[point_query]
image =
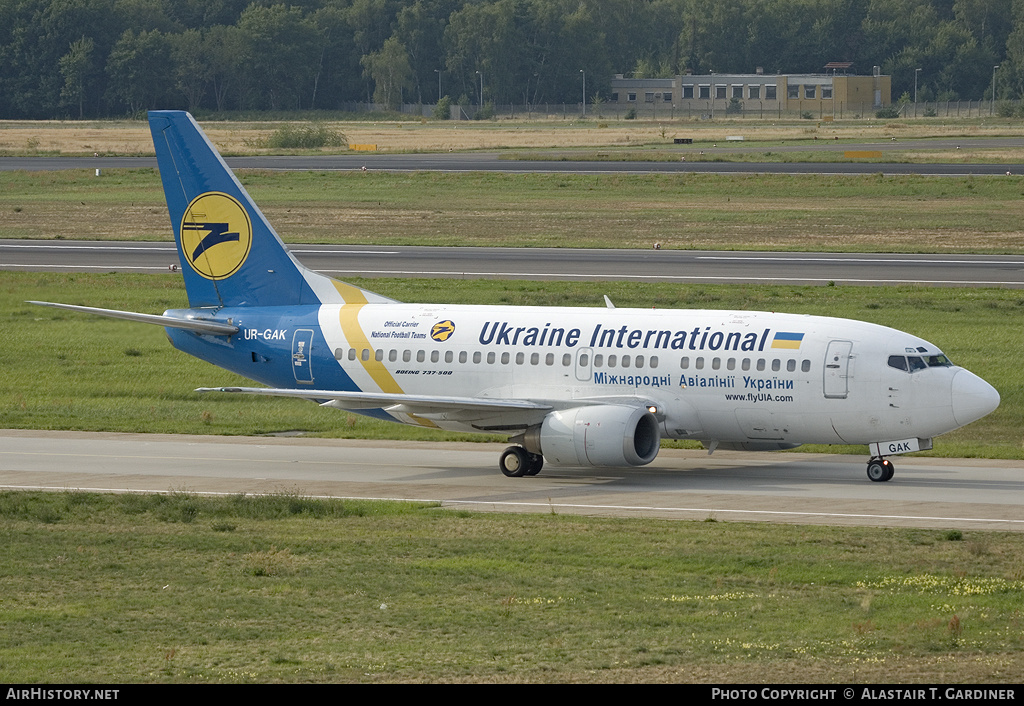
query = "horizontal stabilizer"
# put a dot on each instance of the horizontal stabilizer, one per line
(217, 328)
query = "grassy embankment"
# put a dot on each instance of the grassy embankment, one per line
(181, 588)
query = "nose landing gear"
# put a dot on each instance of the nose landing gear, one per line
(880, 469)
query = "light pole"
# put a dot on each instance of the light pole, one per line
(916, 72)
(992, 110)
(584, 74)
(438, 72)
(481, 75)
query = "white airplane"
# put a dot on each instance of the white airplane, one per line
(585, 387)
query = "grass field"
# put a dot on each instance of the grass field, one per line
(182, 588)
(871, 213)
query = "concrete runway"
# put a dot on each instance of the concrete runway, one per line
(491, 162)
(685, 485)
(682, 266)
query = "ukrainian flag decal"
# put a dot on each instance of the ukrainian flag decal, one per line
(785, 339)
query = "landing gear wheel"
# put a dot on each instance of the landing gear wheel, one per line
(536, 463)
(515, 462)
(880, 470)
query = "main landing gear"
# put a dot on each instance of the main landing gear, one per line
(880, 469)
(517, 462)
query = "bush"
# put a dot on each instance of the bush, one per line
(888, 112)
(443, 109)
(305, 137)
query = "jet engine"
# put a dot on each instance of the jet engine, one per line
(602, 435)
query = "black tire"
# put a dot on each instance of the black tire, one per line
(536, 463)
(514, 462)
(880, 470)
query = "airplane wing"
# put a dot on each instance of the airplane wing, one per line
(420, 405)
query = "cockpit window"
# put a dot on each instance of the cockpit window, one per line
(899, 362)
(913, 363)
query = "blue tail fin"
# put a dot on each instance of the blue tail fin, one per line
(230, 254)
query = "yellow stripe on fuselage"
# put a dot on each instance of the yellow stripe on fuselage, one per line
(355, 300)
(348, 317)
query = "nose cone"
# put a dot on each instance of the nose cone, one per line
(973, 398)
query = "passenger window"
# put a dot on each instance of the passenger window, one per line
(566, 360)
(406, 356)
(392, 355)
(745, 365)
(378, 355)
(654, 361)
(730, 364)
(534, 358)
(421, 356)
(699, 363)
(504, 358)
(477, 357)
(639, 362)
(490, 358)
(716, 363)
(549, 359)
(351, 353)
(791, 365)
(366, 354)
(338, 354)
(520, 357)
(776, 365)
(760, 364)
(625, 361)
(462, 356)
(434, 356)
(448, 356)
(805, 366)
(684, 363)
(584, 359)
(598, 360)
(611, 361)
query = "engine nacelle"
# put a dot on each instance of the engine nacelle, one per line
(605, 435)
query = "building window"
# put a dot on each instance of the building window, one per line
(754, 92)
(687, 92)
(649, 97)
(704, 91)
(793, 92)
(809, 92)
(667, 97)
(720, 92)
(769, 92)
(737, 91)
(631, 97)
(615, 98)
(826, 93)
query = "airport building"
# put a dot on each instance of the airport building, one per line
(832, 93)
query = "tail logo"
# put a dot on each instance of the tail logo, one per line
(216, 235)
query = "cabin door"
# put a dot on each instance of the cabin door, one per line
(837, 369)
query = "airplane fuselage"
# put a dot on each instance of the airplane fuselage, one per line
(763, 380)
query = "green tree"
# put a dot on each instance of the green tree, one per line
(77, 67)
(137, 69)
(390, 72)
